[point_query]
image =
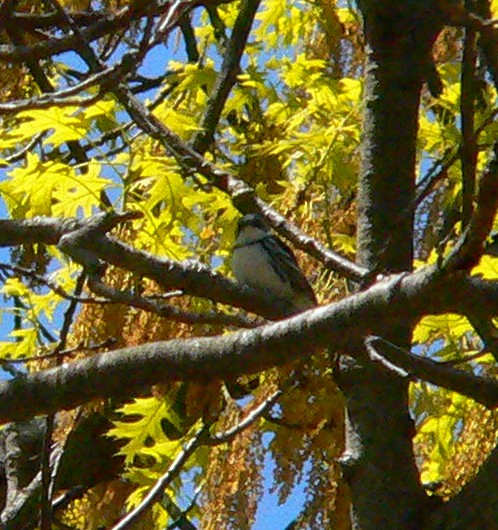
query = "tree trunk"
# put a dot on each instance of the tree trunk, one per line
(379, 461)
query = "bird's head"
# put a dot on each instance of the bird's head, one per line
(251, 227)
(254, 221)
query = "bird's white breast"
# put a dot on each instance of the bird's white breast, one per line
(251, 266)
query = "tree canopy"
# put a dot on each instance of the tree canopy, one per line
(144, 387)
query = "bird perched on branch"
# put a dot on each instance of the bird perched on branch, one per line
(264, 262)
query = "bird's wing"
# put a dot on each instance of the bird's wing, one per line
(284, 263)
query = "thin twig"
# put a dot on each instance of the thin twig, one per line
(441, 165)
(168, 311)
(251, 417)
(466, 358)
(41, 328)
(63, 353)
(19, 155)
(49, 472)
(156, 491)
(63, 98)
(470, 246)
(57, 289)
(484, 327)
(179, 516)
(56, 45)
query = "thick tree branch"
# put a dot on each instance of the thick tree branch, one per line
(45, 230)
(243, 352)
(399, 38)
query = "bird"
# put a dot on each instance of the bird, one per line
(264, 262)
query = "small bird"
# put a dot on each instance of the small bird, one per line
(264, 262)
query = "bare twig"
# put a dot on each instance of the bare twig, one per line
(168, 311)
(57, 289)
(440, 167)
(53, 46)
(46, 476)
(197, 439)
(172, 16)
(180, 517)
(48, 470)
(189, 38)
(250, 418)
(470, 247)
(486, 330)
(26, 149)
(41, 328)
(480, 20)
(469, 151)
(63, 98)
(63, 353)
(465, 359)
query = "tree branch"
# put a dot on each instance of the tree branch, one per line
(168, 311)
(66, 97)
(488, 39)
(157, 490)
(249, 351)
(469, 150)
(482, 389)
(484, 327)
(86, 242)
(110, 23)
(470, 247)
(226, 79)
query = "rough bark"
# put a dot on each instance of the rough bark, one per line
(379, 459)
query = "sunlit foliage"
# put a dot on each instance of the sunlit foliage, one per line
(291, 128)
